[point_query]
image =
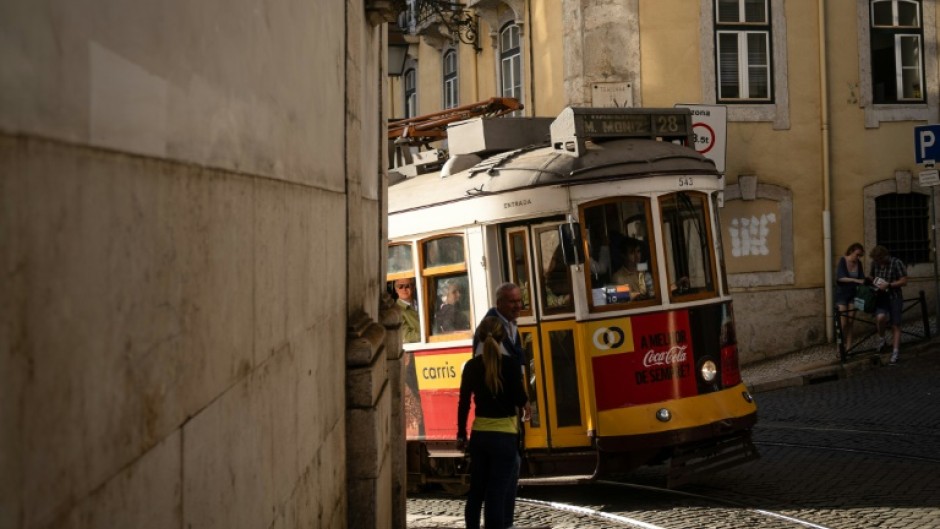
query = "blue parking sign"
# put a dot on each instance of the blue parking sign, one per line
(926, 143)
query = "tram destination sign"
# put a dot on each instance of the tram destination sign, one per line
(639, 125)
(575, 125)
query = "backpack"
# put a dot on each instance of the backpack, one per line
(865, 299)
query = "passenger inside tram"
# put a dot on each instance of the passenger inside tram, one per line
(621, 269)
(634, 270)
(450, 317)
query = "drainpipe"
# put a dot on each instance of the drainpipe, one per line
(531, 111)
(826, 173)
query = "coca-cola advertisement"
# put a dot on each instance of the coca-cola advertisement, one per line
(659, 367)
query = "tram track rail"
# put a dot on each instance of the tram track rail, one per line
(706, 511)
(828, 438)
(779, 426)
(879, 453)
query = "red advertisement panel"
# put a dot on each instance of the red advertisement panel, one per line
(431, 407)
(661, 366)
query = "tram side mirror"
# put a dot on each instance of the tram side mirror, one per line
(571, 245)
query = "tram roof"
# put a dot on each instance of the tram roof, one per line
(540, 166)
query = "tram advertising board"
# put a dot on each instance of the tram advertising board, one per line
(656, 363)
(430, 406)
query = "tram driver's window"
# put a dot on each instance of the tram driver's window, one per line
(447, 291)
(689, 258)
(621, 268)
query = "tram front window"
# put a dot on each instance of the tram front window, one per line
(689, 261)
(622, 268)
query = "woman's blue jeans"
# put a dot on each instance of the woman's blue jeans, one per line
(494, 472)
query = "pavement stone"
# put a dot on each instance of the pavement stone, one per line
(803, 367)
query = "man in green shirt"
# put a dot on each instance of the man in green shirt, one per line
(405, 288)
(410, 332)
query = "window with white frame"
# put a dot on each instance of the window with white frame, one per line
(897, 68)
(743, 51)
(510, 61)
(450, 79)
(411, 93)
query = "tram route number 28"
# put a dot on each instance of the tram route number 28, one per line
(685, 181)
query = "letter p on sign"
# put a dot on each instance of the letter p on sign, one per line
(925, 143)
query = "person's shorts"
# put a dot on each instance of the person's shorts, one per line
(891, 306)
(844, 299)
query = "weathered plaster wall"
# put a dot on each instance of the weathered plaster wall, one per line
(231, 84)
(601, 45)
(185, 189)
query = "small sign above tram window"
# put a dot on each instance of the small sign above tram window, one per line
(575, 125)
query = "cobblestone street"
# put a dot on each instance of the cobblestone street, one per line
(852, 453)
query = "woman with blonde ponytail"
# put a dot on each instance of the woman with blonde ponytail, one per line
(492, 378)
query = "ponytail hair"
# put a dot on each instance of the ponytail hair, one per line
(491, 333)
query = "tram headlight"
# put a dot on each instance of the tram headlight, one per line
(709, 371)
(663, 415)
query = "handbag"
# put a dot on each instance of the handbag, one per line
(865, 299)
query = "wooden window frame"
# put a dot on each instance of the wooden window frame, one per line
(428, 275)
(653, 264)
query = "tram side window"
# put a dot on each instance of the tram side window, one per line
(400, 284)
(622, 268)
(689, 259)
(556, 276)
(519, 267)
(400, 265)
(565, 367)
(447, 287)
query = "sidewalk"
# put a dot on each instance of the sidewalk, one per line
(812, 365)
(821, 362)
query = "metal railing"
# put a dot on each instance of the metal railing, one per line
(857, 317)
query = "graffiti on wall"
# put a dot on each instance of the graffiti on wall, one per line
(749, 235)
(751, 232)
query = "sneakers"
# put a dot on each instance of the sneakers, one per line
(894, 357)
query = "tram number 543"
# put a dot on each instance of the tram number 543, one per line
(686, 181)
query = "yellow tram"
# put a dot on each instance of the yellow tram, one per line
(607, 220)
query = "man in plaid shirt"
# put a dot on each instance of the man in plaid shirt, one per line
(888, 276)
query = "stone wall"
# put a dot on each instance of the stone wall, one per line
(190, 211)
(797, 316)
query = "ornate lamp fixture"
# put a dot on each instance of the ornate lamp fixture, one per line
(459, 23)
(435, 19)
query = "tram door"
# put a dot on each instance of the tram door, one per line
(554, 370)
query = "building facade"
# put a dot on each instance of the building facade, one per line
(192, 327)
(821, 101)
